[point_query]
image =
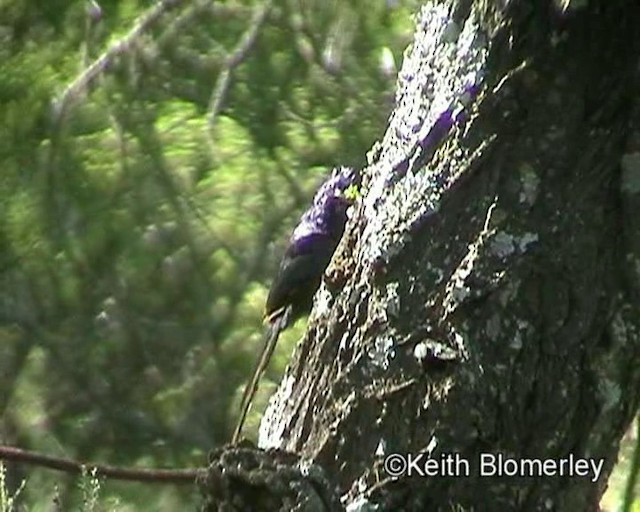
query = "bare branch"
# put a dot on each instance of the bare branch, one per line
(118, 47)
(239, 53)
(172, 476)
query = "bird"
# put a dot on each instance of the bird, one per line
(310, 249)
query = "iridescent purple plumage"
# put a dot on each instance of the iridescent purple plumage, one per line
(311, 246)
(327, 214)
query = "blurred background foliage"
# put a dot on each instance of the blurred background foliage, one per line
(145, 213)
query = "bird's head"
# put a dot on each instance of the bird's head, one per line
(327, 215)
(334, 209)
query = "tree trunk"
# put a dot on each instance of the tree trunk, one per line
(485, 299)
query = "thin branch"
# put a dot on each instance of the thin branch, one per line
(174, 476)
(118, 47)
(198, 10)
(239, 53)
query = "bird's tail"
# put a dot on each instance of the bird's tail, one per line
(269, 344)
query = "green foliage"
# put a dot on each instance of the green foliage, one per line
(8, 500)
(623, 491)
(90, 487)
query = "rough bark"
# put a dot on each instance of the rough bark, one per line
(486, 295)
